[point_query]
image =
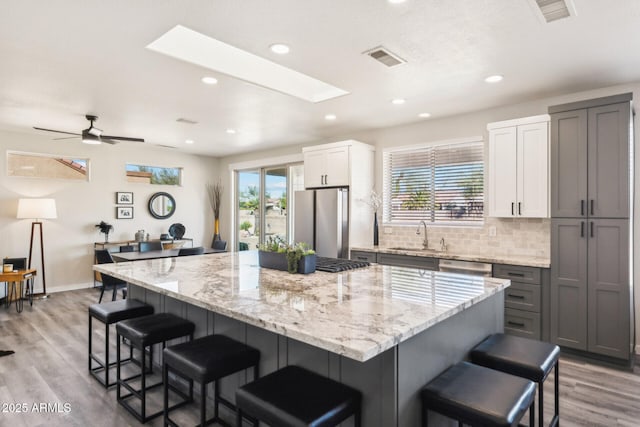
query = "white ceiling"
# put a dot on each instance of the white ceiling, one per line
(62, 59)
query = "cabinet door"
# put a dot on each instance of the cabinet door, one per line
(502, 172)
(337, 167)
(569, 283)
(533, 171)
(609, 161)
(569, 164)
(314, 168)
(609, 288)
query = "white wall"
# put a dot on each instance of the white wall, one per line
(69, 238)
(459, 126)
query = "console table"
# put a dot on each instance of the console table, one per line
(15, 279)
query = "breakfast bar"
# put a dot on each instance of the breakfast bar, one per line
(383, 330)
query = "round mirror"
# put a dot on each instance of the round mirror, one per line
(162, 205)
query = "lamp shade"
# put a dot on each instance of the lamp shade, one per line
(37, 208)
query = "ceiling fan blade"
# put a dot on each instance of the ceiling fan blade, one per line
(66, 137)
(122, 138)
(108, 141)
(58, 131)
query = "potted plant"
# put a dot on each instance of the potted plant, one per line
(215, 197)
(275, 253)
(106, 229)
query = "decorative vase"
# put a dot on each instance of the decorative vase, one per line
(106, 237)
(375, 229)
(216, 230)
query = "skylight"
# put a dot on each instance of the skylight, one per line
(196, 48)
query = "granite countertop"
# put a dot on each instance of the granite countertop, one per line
(358, 314)
(523, 260)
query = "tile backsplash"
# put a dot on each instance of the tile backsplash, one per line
(522, 236)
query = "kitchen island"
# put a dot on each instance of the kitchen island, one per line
(383, 330)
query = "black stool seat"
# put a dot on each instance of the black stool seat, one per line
(205, 360)
(523, 357)
(109, 313)
(296, 397)
(526, 358)
(153, 329)
(115, 311)
(479, 396)
(143, 332)
(209, 358)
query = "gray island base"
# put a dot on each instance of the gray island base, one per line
(383, 330)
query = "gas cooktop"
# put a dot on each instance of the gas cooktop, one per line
(335, 265)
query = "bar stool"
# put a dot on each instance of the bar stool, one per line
(294, 397)
(205, 360)
(109, 313)
(143, 332)
(477, 396)
(525, 358)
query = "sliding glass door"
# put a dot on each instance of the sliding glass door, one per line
(264, 199)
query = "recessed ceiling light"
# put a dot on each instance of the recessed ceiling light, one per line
(494, 79)
(398, 101)
(330, 117)
(209, 80)
(189, 141)
(279, 48)
(396, 1)
(231, 131)
(424, 115)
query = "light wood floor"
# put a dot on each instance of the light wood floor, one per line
(50, 366)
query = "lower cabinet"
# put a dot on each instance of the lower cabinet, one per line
(424, 263)
(523, 300)
(590, 286)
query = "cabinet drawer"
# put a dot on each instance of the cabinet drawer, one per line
(408, 261)
(364, 256)
(522, 323)
(522, 296)
(521, 274)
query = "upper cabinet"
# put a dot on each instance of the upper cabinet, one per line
(590, 162)
(326, 165)
(518, 168)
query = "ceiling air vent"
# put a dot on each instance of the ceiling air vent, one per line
(187, 121)
(553, 10)
(383, 55)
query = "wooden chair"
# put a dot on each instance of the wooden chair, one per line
(150, 246)
(191, 251)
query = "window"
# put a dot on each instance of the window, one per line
(47, 166)
(441, 184)
(154, 174)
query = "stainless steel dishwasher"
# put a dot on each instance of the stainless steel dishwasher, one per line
(465, 267)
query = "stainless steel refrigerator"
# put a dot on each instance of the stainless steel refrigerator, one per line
(321, 219)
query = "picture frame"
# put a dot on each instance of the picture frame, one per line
(124, 212)
(124, 198)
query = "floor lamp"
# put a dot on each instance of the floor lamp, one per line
(37, 209)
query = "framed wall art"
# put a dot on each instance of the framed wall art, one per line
(124, 198)
(124, 212)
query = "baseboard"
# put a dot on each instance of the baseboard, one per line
(71, 287)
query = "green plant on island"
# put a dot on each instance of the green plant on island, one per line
(295, 254)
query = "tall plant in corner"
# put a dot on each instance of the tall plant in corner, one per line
(215, 198)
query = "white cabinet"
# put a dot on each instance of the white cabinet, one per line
(345, 164)
(519, 168)
(326, 167)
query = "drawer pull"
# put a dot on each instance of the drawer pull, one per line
(521, 325)
(363, 258)
(515, 296)
(515, 274)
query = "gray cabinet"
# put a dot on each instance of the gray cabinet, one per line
(364, 256)
(590, 159)
(522, 300)
(591, 298)
(424, 263)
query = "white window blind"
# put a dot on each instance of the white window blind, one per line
(439, 184)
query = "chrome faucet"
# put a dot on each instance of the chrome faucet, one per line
(425, 242)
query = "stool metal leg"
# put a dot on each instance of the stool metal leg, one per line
(238, 418)
(203, 404)
(556, 387)
(118, 367)
(532, 413)
(541, 404)
(106, 354)
(356, 418)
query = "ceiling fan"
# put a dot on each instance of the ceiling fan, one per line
(93, 135)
